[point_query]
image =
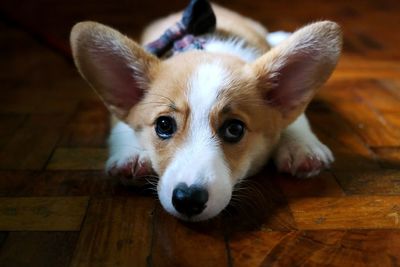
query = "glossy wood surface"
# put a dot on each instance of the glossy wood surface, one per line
(58, 208)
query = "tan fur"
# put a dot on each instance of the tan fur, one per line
(169, 80)
(248, 95)
(263, 125)
(329, 49)
(88, 38)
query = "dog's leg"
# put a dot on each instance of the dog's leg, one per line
(127, 160)
(299, 151)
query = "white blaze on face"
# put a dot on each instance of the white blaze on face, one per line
(200, 159)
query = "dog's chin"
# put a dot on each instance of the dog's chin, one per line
(197, 218)
(204, 216)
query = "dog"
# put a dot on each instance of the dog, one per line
(205, 118)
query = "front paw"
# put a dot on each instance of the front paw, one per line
(129, 167)
(305, 158)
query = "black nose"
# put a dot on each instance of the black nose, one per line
(189, 200)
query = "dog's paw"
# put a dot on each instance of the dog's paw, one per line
(129, 166)
(305, 158)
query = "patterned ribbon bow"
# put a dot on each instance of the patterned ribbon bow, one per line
(198, 18)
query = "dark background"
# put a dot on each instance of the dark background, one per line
(369, 25)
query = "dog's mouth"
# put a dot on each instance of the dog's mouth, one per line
(203, 216)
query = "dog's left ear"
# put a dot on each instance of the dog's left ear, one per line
(117, 68)
(290, 73)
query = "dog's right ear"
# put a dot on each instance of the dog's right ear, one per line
(115, 66)
(290, 74)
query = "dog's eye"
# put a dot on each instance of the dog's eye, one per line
(232, 131)
(165, 127)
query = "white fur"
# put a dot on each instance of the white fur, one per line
(123, 147)
(275, 38)
(299, 144)
(200, 159)
(234, 46)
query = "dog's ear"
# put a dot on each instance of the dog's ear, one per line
(290, 73)
(115, 66)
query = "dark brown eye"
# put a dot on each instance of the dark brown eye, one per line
(232, 131)
(165, 127)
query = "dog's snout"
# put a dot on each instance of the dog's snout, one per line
(191, 200)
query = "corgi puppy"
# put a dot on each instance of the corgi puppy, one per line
(205, 119)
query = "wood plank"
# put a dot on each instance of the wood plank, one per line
(336, 248)
(259, 217)
(316, 248)
(38, 249)
(393, 118)
(351, 68)
(78, 159)
(116, 232)
(349, 149)
(370, 182)
(9, 124)
(77, 183)
(29, 99)
(378, 96)
(365, 115)
(388, 157)
(257, 203)
(31, 146)
(355, 212)
(323, 185)
(251, 247)
(391, 85)
(61, 183)
(384, 101)
(88, 127)
(28, 90)
(176, 243)
(3, 237)
(370, 124)
(42, 214)
(17, 183)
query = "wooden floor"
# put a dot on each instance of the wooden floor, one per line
(57, 208)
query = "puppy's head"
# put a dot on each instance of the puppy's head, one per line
(207, 120)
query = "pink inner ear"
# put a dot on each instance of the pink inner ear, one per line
(291, 85)
(121, 82)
